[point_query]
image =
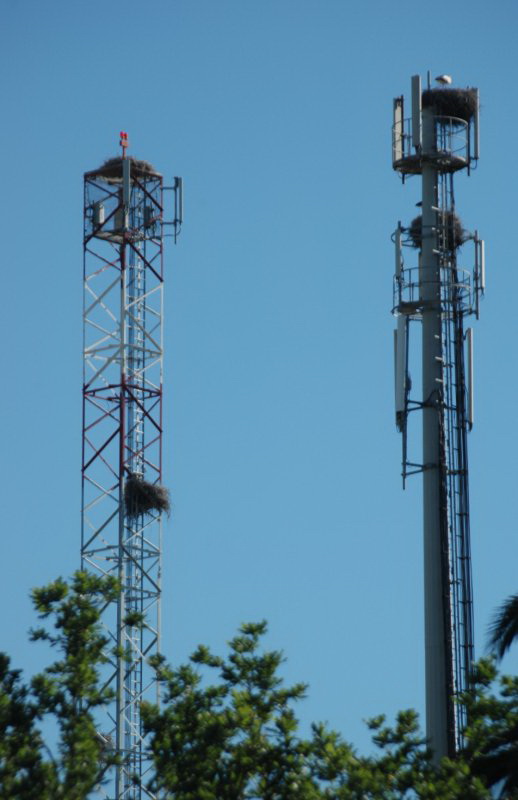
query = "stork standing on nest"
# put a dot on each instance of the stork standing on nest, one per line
(443, 80)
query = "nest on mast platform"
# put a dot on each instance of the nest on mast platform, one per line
(111, 169)
(457, 103)
(141, 497)
(449, 229)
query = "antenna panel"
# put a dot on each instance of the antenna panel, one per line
(398, 129)
(400, 346)
(476, 141)
(470, 388)
(399, 260)
(482, 247)
(126, 182)
(98, 213)
(416, 111)
(178, 186)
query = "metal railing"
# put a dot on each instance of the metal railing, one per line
(455, 285)
(452, 141)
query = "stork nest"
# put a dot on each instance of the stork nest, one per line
(450, 233)
(140, 497)
(457, 103)
(111, 169)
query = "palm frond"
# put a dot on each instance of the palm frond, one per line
(503, 630)
(499, 770)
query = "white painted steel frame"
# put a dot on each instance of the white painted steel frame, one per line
(122, 436)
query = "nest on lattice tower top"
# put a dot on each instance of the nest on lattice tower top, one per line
(112, 168)
(450, 233)
(141, 497)
(457, 103)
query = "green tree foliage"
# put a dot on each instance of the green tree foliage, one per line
(227, 728)
(492, 734)
(235, 737)
(68, 693)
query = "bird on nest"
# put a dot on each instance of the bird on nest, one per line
(444, 80)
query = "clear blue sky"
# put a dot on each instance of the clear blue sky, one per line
(281, 451)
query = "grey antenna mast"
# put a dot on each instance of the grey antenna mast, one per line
(438, 140)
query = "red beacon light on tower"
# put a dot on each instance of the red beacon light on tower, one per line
(123, 141)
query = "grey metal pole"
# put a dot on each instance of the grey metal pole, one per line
(432, 374)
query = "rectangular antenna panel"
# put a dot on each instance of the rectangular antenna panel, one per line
(476, 141)
(126, 182)
(98, 213)
(398, 130)
(400, 335)
(482, 265)
(149, 217)
(398, 250)
(118, 220)
(416, 111)
(470, 389)
(178, 187)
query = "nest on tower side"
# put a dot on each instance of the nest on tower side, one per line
(111, 169)
(457, 103)
(450, 233)
(140, 497)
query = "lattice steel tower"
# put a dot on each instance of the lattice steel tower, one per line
(437, 141)
(122, 497)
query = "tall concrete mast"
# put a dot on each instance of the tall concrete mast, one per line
(439, 139)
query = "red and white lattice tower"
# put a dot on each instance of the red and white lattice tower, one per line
(122, 497)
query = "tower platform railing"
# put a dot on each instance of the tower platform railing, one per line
(452, 146)
(456, 281)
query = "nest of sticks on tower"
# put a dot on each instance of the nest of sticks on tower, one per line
(451, 234)
(457, 103)
(112, 168)
(140, 497)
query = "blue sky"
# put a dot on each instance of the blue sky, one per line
(281, 451)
